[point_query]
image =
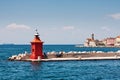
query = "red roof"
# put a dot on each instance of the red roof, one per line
(118, 36)
(36, 39)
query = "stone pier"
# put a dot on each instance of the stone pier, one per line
(68, 57)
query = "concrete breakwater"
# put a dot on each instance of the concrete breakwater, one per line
(62, 56)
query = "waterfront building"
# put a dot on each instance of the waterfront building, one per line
(117, 41)
(110, 41)
(86, 44)
(90, 42)
(104, 42)
(100, 43)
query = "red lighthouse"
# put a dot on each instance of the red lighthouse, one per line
(36, 47)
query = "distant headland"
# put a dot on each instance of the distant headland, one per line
(107, 42)
(7, 44)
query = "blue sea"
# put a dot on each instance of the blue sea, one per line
(61, 70)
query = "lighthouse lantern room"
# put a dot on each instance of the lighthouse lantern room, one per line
(36, 47)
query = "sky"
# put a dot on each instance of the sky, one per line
(58, 21)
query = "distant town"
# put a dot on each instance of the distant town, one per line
(107, 42)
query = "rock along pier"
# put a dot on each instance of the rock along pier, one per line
(67, 57)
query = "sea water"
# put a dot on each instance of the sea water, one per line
(61, 70)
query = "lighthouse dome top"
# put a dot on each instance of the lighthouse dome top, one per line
(36, 38)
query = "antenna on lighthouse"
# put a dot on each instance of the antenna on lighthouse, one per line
(36, 32)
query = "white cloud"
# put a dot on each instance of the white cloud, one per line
(115, 16)
(17, 26)
(105, 28)
(68, 27)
